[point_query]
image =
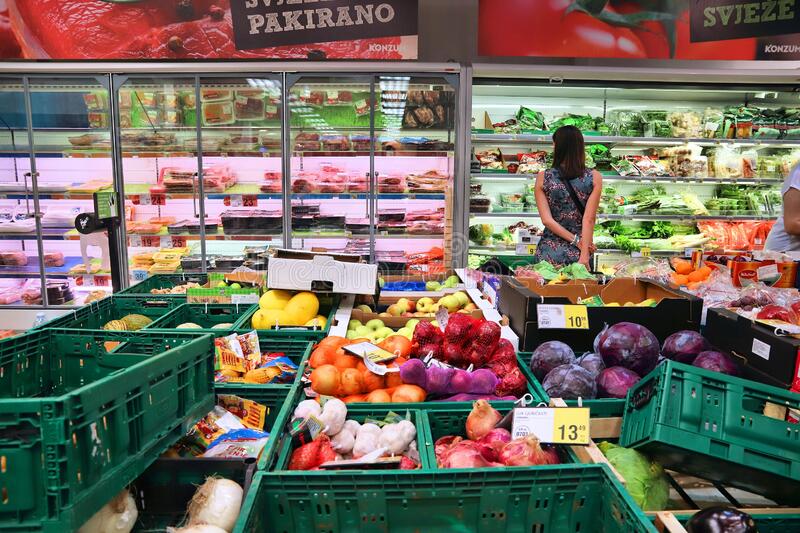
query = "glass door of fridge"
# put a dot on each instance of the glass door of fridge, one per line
(71, 129)
(159, 141)
(330, 139)
(21, 278)
(415, 130)
(242, 186)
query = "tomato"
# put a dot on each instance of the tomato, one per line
(732, 49)
(652, 33)
(516, 28)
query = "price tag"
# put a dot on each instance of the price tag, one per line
(158, 199)
(562, 316)
(490, 293)
(767, 272)
(151, 241)
(135, 241)
(102, 281)
(144, 199)
(442, 316)
(552, 425)
(645, 251)
(178, 242)
(636, 254)
(250, 200)
(234, 200)
(251, 298)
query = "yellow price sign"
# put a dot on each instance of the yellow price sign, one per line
(551, 316)
(645, 251)
(552, 425)
(531, 249)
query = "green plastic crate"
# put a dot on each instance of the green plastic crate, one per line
(96, 314)
(283, 447)
(298, 350)
(328, 305)
(444, 422)
(164, 281)
(164, 491)
(711, 425)
(552, 499)
(79, 423)
(598, 408)
(207, 316)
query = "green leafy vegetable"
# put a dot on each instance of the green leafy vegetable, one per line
(645, 480)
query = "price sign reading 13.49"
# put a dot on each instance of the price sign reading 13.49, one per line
(560, 425)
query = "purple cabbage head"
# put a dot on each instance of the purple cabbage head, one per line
(569, 382)
(549, 355)
(629, 345)
(615, 381)
(592, 362)
(716, 362)
(684, 346)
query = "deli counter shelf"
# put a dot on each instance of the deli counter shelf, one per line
(523, 138)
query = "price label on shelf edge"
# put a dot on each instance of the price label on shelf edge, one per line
(177, 241)
(552, 425)
(551, 316)
(135, 241)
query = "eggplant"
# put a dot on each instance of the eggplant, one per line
(721, 520)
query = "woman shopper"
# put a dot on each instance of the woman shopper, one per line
(785, 233)
(567, 197)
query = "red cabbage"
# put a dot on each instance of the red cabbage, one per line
(614, 382)
(592, 362)
(550, 355)
(570, 382)
(629, 345)
(684, 346)
(717, 362)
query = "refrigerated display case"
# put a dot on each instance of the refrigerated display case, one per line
(56, 152)
(683, 166)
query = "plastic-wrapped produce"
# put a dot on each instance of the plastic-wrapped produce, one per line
(712, 123)
(686, 161)
(726, 163)
(685, 124)
(626, 123)
(769, 166)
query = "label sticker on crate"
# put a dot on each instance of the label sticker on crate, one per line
(552, 425)
(551, 316)
(767, 272)
(251, 298)
(761, 349)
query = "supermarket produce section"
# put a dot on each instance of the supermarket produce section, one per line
(306, 301)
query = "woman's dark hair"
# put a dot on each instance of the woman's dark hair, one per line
(569, 156)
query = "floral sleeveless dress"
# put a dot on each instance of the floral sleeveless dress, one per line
(552, 248)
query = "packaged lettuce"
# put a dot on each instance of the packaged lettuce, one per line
(529, 119)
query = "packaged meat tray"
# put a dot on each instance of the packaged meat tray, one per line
(329, 187)
(218, 113)
(313, 98)
(194, 262)
(9, 296)
(248, 108)
(270, 141)
(162, 221)
(252, 222)
(301, 223)
(358, 186)
(307, 142)
(425, 215)
(254, 252)
(335, 143)
(357, 226)
(391, 215)
(304, 185)
(392, 228)
(228, 262)
(53, 259)
(361, 143)
(425, 228)
(211, 227)
(215, 95)
(334, 222)
(143, 228)
(14, 259)
(431, 181)
(271, 187)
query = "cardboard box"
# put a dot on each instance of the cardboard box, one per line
(519, 298)
(318, 272)
(210, 293)
(764, 356)
(782, 275)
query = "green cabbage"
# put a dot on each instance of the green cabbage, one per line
(645, 480)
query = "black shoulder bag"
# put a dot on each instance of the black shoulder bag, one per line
(577, 201)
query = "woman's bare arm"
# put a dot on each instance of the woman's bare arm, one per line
(590, 218)
(791, 211)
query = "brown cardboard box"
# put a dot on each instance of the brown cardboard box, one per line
(519, 298)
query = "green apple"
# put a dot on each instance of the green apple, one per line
(462, 297)
(381, 282)
(411, 324)
(221, 284)
(396, 309)
(235, 286)
(375, 324)
(451, 282)
(364, 308)
(406, 332)
(362, 332)
(424, 305)
(450, 303)
(354, 324)
(406, 305)
(433, 286)
(351, 334)
(385, 332)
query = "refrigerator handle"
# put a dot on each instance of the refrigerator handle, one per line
(195, 179)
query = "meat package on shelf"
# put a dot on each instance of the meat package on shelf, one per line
(334, 180)
(400, 221)
(216, 178)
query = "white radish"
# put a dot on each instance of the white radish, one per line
(216, 503)
(117, 516)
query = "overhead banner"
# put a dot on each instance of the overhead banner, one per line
(641, 29)
(208, 29)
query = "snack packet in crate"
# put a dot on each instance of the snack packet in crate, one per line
(229, 360)
(251, 413)
(250, 349)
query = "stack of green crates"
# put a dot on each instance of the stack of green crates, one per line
(712, 425)
(80, 423)
(164, 281)
(208, 316)
(97, 314)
